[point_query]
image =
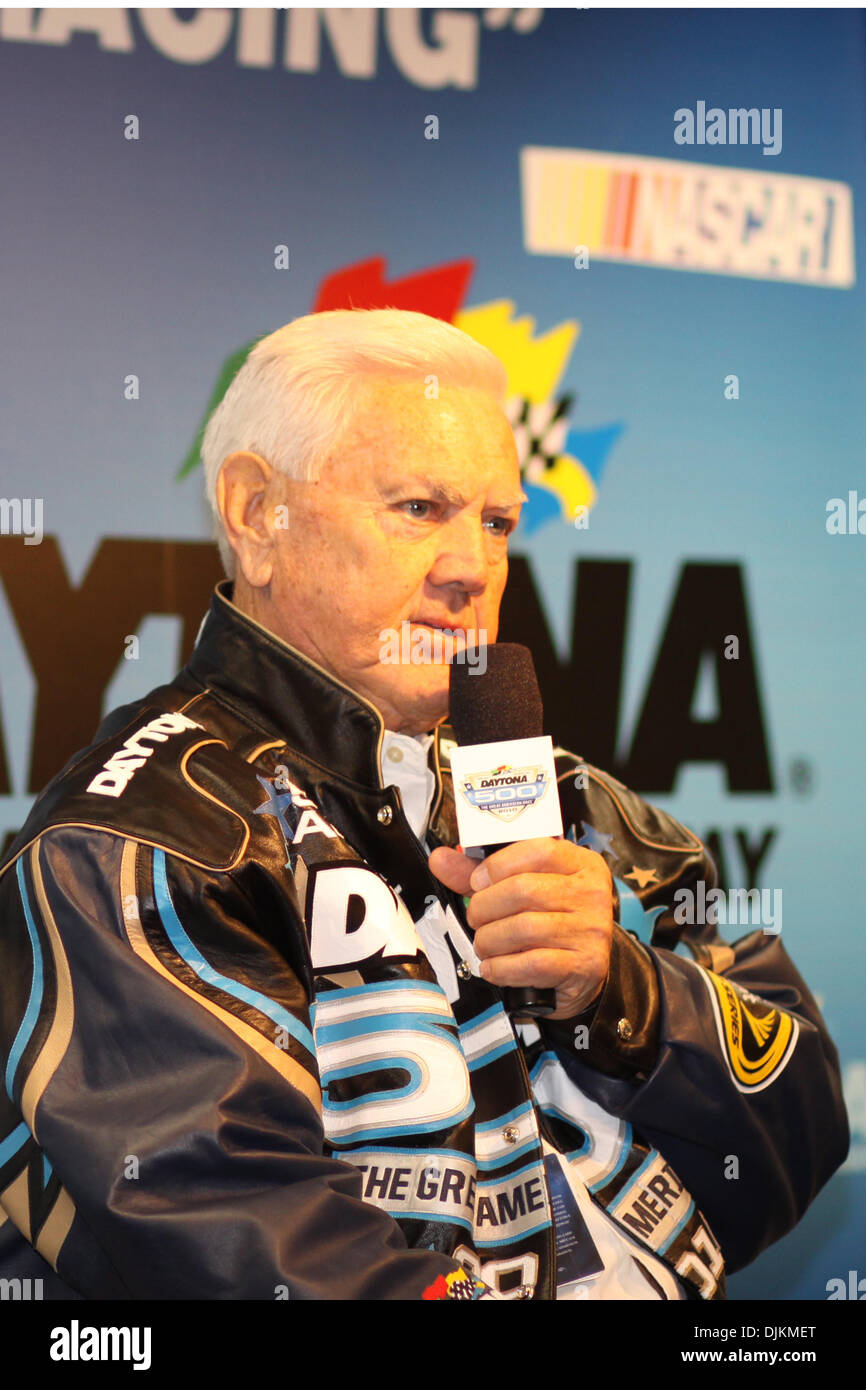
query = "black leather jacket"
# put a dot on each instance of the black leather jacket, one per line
(232, 1070)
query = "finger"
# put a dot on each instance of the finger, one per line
(533, 892)
(545, 855)
(531, 931)
(452, 868)
(544, 969)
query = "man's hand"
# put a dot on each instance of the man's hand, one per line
(542, 912)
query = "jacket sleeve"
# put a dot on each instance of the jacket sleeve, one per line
(158, 1048)
(718, 1056)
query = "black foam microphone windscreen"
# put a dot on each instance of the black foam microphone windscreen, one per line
(498, 698)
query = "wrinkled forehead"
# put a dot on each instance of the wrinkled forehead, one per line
(455, 436)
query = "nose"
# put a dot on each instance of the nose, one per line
(463, 557)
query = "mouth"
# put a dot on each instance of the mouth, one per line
(453, 640)
(459, 630)
(454, 634)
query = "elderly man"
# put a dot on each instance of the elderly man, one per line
(252, 1007)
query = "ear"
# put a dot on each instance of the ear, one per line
(244, 492)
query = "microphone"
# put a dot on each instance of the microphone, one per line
(496, 703)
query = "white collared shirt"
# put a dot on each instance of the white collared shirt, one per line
(405, 766)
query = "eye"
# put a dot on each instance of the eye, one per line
(504, 523)
(418, 502)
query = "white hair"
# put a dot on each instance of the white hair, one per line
(296, 391)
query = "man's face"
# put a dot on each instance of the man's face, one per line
(408, 523)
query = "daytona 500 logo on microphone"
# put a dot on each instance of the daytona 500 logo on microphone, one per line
(505, 791)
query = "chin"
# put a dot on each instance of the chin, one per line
(421, 709)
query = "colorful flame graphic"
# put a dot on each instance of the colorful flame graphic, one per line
(561, 466)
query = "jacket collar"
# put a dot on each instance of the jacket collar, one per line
(290, 695)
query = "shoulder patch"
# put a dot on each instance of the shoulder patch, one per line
(164, 780)
(757, 1039)
(119, 769)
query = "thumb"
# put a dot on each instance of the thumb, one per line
(452, 868)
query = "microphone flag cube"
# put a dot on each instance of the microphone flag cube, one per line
(505, 791)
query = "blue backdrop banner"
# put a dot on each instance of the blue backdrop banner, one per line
(652, 219)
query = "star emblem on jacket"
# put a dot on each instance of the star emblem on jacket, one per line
(276, 805)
